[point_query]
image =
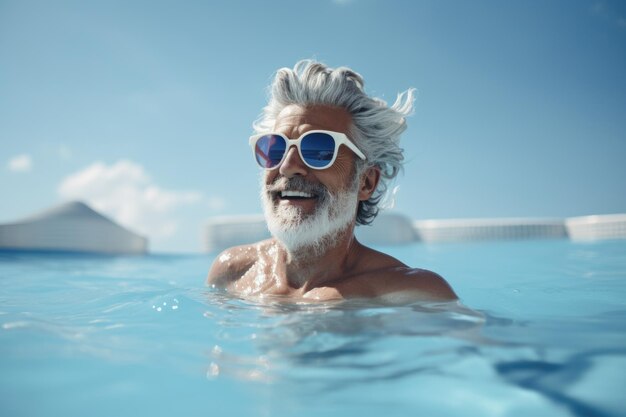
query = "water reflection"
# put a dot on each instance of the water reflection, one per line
(337, 342)
(315, 349)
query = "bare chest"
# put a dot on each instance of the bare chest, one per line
(268, 278)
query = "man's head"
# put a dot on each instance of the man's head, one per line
(374, 127)
(307, 207)
(315, 97)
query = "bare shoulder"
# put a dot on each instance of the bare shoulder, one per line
(419, 284)
(395, 280)
(232, 263)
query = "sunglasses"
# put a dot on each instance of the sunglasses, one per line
(317, 148)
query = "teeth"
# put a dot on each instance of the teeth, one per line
(284, 194)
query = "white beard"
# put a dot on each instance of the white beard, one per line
(314, 234)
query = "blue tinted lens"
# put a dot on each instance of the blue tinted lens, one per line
(269, 150)
(318, 149)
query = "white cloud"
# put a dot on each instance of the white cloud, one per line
(20, 163)
(125, 192)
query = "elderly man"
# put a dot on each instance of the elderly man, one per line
(327, 150)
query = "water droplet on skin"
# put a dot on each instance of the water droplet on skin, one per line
(259, 280)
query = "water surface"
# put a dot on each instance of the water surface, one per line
(94, 335)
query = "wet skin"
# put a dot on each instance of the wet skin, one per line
(348, 269)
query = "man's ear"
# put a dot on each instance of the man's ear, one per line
(369, 182)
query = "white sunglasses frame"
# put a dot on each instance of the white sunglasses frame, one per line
(338, 137)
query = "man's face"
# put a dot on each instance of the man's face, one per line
(304, 221)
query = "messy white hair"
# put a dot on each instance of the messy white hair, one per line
(376, 127)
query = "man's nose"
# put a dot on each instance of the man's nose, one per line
(292, 164)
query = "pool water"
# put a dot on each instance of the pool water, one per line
(544, 334)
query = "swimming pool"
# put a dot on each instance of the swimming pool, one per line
(103, 336)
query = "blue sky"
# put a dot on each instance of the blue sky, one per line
(143, 108)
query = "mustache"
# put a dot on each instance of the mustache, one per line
(297, 184)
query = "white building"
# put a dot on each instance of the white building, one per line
(394, 229)
(73, 227)
(606, 226)
(227, 231)
(459, 230)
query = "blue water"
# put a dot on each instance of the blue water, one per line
(125, 336)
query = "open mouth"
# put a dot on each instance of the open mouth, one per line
(293, 195)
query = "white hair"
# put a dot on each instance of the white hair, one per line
(376, 127)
